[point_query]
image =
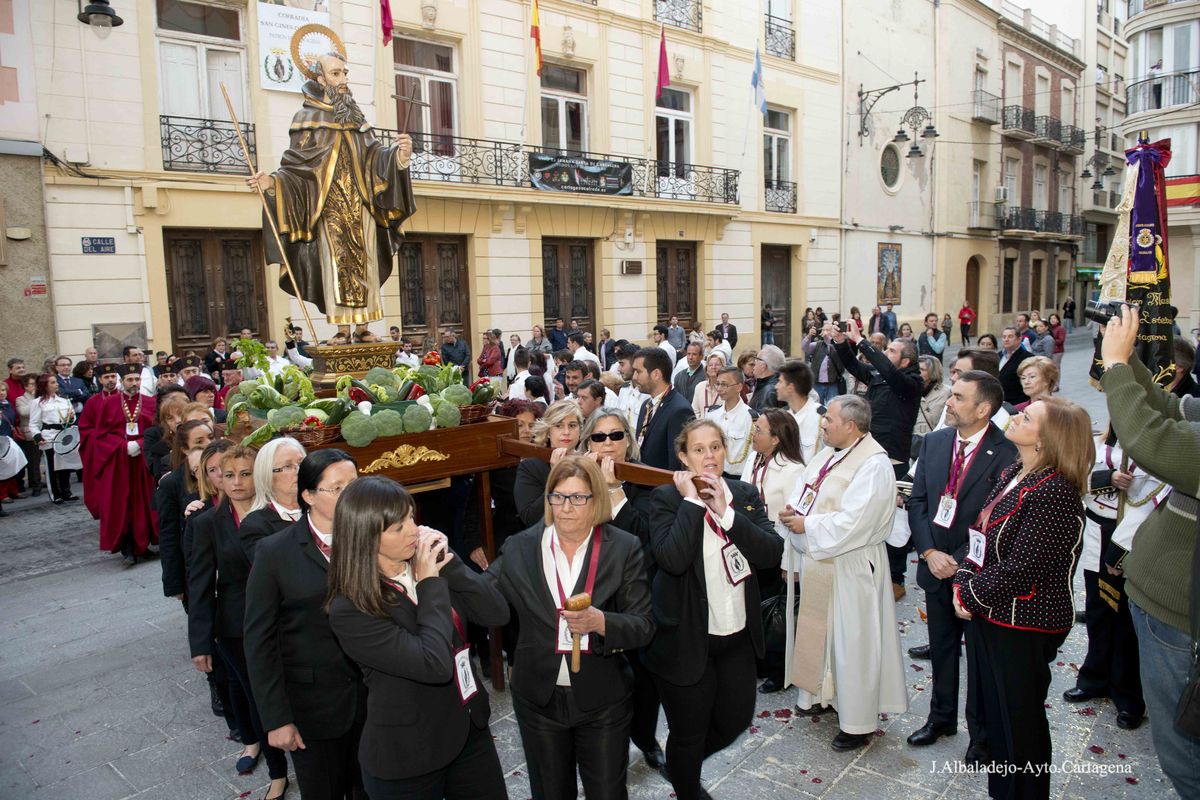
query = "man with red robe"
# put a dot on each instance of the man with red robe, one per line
(123, 484)
(107, 378)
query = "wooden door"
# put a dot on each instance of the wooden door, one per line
(568, 284)
(216, 285)
(972, 289)
(434, 290)
(777, 290)
(676, 283)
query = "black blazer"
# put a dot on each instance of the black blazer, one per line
(170, 499)
(730, 337)
(260, 524)
(679, 594)
(529, 490)
(622, 592)
(297, 669)
(416, 722)
(217, 571)
(992, 455)
(658, 445)
(156, 452)
(1010, 380)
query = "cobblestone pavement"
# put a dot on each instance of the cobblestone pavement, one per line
(98, 700)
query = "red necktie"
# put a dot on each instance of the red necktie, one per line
(325, 549)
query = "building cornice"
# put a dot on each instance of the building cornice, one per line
(1019, 36)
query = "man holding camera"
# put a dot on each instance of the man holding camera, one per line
(1161, 433)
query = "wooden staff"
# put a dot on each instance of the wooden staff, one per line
(267, 210)
(577, 602)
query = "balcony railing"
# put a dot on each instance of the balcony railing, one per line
(780, 197)
(987, 107)
(458, 159)
(1138, 6)
(686, 14)
(1032, 219)
(204, 145)
(1019, 120)
(1019, 218)
(1048, 128)
(780, 37)
(1163, 91)
(1073, 138)
(981, 214)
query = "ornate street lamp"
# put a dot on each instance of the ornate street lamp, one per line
(100, 16)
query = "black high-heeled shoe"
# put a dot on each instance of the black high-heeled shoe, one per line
(286, 785)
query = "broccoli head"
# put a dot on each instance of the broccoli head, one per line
(358, 429)
(388, 422)
(417, 419)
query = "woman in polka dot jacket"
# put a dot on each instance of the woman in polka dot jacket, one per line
(1015, 582)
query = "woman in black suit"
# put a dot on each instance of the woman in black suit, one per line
(575, 720)
(1016, 581)
(399, 605)
(310, 695)
(217, 572)
(709, 544)
(275, 505)
(558, 428)
(174, 492)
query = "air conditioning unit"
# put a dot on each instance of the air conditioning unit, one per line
(1001, 194)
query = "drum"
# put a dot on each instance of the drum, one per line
(12, 458)
(67, 441)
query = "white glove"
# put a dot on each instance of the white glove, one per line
(133, 449)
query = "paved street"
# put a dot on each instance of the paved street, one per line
(98, 700)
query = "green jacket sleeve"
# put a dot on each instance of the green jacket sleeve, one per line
(1153, 433)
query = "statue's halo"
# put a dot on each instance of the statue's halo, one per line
(309, 43)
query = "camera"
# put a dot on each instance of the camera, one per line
(843, 326)
(1100, 311)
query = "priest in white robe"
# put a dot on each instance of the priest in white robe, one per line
(847, 647)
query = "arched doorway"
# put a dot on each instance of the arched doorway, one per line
(972, 290)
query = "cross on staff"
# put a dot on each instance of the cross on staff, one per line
(411, 100)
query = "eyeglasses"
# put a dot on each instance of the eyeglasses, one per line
(615, 436)
(333, 490)
(720, 385)
(286, 468)
(556, 499)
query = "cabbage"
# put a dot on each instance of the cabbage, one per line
(448, 416)
(286, 417)
(457, 394)
(417, 419)
(381, 376)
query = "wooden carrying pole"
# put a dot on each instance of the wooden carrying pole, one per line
(267, 211)
(634, 473)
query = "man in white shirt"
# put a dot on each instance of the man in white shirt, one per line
(630, 399)
(276, 361)
(795, 389)
(405, 355)
(579, 352)
(734, 418)
(660, 340)
(516, 388)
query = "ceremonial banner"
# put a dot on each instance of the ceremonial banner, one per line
(1136, 270)
(277, 21)
(560, 173)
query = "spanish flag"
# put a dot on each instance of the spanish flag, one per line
(535, 30)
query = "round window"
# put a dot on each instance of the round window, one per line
(889, 166)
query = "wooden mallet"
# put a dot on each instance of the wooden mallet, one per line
(577, 602)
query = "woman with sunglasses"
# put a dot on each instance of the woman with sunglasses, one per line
(575, 719)
(558, 429)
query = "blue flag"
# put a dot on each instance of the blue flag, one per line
(760, 86)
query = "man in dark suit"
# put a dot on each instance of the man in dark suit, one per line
(666, 412)
(691, 376)
(1012, 353)
(957, 468)
(728, 331)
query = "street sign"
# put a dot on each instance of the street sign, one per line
(99, 245)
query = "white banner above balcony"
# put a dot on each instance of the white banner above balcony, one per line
(276, 24)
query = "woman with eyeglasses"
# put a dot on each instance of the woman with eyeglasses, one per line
(310, 695)
(575, 720)
(710, 544)
(558, 429)
(399, 605)
(275, 504)
(707, 395)
(217, 571)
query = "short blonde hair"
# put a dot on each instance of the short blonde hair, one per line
(584, 468)
(556, 414)
(1045, 367)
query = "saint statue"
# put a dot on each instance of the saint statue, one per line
(338, 200)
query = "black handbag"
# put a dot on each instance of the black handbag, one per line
(1187, 711)
(774, 618)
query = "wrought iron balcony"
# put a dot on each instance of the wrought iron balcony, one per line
(1056, 222)
(686, 14)
(981, 214)
(780, 197)
(1019, 218)
(458, 159)
(780, 38)
(204, 145)
(987, 107)
(1073, 139)
(1162, 91)
(1018, 122)
(1047, 129)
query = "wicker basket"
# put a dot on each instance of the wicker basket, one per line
(313, 436)
(474, 413)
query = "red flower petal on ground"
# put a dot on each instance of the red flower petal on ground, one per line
(816, 780)
(1059, 664)
(803, 772)
(878, 732)
(1131, 781)
(764, 714)
(1097, 749)
(753, 729)
(35, 722)
(783, 713)
(244, 794)
(1045, 705)
(815, 720)
(1087, 712)
(917, 668)
(883, 717)
(1122, 755)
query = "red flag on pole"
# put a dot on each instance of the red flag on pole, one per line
(385, 20)
(535, 30)
(664, 72)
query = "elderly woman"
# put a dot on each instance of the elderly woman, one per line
(217, 571)
(1015, 582)
(933, 396)
(709, 544)
(775, 471)
(558, 429)
(310, 695)
(275, 503)
(706, 394)
(202, 390)
(1039, 379)
(575, 717)
(399, 604)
